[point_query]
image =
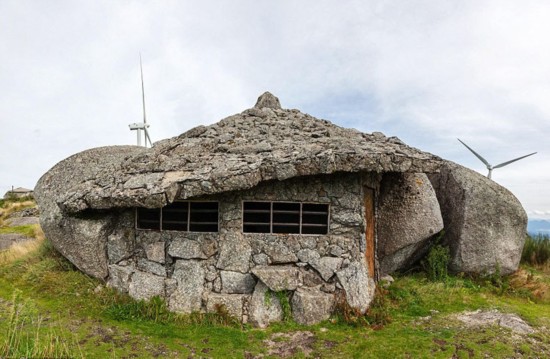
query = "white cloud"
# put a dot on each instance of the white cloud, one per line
(426, 71)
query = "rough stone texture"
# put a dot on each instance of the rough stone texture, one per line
(280, 253)
(237, 153)
(358, 286)
(481, 318)
(327, 266)
(237, 283)
(187, 249)
(188, 295)
(235, 253)
(155, 252)
(279, 278)
(145, 285)
(308, 255)
(408, 216)
(311, 306)
(151, 267)
(311, 278)
(22, 221)
(485, 224)
(120, 243)
(233, 303)
(267, 100)
(82, 239)
(27, 212)
(119, 277)
(264, 307)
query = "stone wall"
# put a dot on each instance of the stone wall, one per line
(201, 271)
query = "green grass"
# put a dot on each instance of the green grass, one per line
(53, 310)
(28, 230)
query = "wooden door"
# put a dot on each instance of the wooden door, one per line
(369, 235)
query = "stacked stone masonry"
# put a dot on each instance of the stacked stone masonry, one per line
(201, 271)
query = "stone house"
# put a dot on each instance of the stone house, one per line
(18, 192)
(266, 201)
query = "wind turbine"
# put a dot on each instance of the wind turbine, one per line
(138, 126)
(489, 166)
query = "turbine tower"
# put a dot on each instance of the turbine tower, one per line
(138, 126)
(489, 166)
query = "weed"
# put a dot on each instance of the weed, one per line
(284, 299)
(154, 310)
(376, 316)
(268, 296)
(436, 263)
(378, 313)
(496, 281)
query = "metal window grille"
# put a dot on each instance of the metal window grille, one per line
(185, 216)
(285, 217)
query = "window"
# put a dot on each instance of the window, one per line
(185, 216)
(285, 217)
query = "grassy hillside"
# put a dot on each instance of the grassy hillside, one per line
(50, 309)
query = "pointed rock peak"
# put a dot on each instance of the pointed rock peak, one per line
(267, 99)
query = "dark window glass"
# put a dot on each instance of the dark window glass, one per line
(148, 218)
(174, 216)
(286, 217)
(314, 218)
(180, 216)
(204, 217)
(257, 217)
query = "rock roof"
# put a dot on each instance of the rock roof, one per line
(260, 144)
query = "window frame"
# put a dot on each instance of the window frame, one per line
(301, 224)
(187, 222)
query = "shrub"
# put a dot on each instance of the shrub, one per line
(436, 263)
(536, 250)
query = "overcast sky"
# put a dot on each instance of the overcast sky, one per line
(428, 72)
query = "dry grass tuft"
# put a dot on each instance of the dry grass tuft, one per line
(528, 280)
(11, 207)
(20, 250)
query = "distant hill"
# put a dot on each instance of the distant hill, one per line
(535, 226)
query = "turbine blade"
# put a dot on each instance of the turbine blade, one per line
(514, 160)
(147, 137)
(142, 90)
(476, 154)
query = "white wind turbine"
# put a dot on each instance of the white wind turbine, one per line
(489, 166)
(141, 125)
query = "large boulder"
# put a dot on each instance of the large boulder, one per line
(80, 238)
(187, 297)
(485, 224)
(409, 215)
(358, 285)
(265, 307)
